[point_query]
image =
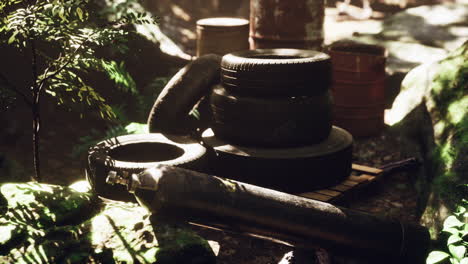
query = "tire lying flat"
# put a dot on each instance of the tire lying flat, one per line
(270, 122)
(276, 72)
(135, 153)
(292, 170)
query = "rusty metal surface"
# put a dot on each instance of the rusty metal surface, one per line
(286, 24)
(358, 87)
(222, 35)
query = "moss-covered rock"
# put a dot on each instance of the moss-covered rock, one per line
(43, 223)
(431, 112)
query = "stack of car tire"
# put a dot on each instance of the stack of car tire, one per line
(270, 113)
(272, 121)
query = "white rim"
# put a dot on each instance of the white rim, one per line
(154, 138)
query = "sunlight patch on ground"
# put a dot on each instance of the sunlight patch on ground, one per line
(179, 12)
(81, 186)
(336, 30)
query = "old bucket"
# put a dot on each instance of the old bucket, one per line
(286, 24)
(358, 87)
(221, 35)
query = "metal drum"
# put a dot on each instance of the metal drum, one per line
(358, 87)
(221, 35)
(286, 24)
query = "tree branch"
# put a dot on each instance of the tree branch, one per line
(42, 82)
(12, 87)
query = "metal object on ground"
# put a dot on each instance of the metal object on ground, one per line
(248, 209)
(358, 87)
(287, 24)
(221, 35)
(289, 169)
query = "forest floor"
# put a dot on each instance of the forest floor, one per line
(393, 197)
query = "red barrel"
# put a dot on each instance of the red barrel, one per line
(358, 87)
(221, 35)
(286, 24)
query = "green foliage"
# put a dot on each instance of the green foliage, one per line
(449, 94)
(96, 136)
(455, 248)
(65, 36)
(124, 124)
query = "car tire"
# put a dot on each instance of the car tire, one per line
(170, 112)
(130, 154)
(276, 72)
(270, 122)
(293, 170)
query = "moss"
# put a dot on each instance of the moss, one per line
(448, 106)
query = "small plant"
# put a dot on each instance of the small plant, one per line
(95, 136)
(62, 37)
(455, 250)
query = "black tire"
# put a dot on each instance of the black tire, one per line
(135, 153)
(276, 72)
(270, 122)
(170, 112)
(292, 170)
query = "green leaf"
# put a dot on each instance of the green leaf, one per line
(12, 37)
(460, 210)
(453, 239)
(136, 128)
(436, 257)
(452, 221)
(79, 12)
(457, 251)
(61, 14)
(452, 230)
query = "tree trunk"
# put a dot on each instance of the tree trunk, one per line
(36, 139)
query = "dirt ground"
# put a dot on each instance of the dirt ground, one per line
(394, 197)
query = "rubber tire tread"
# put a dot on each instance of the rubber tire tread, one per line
(290, 72)
(270, 122)
(99, 163)
(293, 174)
(170, 112)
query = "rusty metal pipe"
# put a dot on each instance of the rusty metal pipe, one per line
(301, 222)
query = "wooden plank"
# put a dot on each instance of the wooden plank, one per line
(328, 192)
(362, 178)
(350, 183)
(341, 188)
(366, 169)
(316, 196)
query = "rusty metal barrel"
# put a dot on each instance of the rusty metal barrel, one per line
(221, 35)
(358, 87)
(286, 24)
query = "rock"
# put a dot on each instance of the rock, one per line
(43, 223)
(431, 116)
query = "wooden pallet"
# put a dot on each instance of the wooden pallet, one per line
(360, 177)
